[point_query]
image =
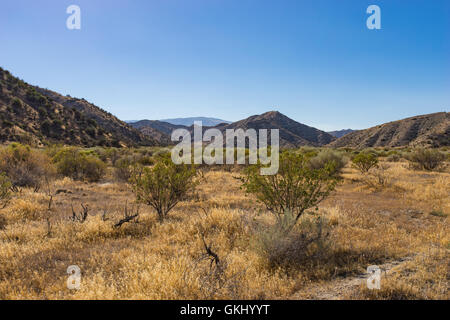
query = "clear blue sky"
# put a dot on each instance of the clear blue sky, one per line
(314, 60)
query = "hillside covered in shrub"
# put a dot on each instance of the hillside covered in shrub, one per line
(38, 116)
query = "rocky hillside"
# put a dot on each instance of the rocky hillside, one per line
(34, 115)
(431, 130)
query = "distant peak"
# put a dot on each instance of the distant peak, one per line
(272, 114)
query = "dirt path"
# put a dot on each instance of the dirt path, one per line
(338, 288)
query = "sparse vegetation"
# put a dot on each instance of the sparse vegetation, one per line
(221, 243)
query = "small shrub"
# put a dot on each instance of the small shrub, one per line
(365, 161)
(438, 213)
(73, 163)
(123, 168)
(5, 190)
(295, 188)
(394, 157)
(336, 159)
(24, 166)
(378, 177)
(164, 185)
(292, 248)
(426, 159)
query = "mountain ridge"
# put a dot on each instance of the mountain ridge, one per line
(428, 130)
(340, 133)
(206, 121)
(292, 133)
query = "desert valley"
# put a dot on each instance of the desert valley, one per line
(77, 187)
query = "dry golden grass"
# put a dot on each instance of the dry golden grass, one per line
(150, 260)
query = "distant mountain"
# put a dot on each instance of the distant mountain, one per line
(158, 130)
(206, 122)
(161, 126)
(432, 130)
(292, 133)
(340, 133)
(34, 115)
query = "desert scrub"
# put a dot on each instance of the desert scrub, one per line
(365, 161)
(164, 185)
(426, 159)
(25, 167)
(335, 158)
(283, 246)
(123, 168)
(78, 165)
(295, 188)
(378, 178)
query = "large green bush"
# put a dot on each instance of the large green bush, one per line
(325, 157)
(365, 161)
(426, 159)
(164, 185)
(295, 188)
(78, 165)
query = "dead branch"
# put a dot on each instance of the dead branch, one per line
(213, 256)
(127, 217)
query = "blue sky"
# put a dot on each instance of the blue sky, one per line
(314, 61)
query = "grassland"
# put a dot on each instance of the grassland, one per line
(403, 224)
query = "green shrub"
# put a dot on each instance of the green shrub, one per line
(365, 161)
(164, 185)
(123, 168)
(426, 159)
(295, 188)
(78, 165)
(24, 166)
(309, 151)
(337, 159)
(394, 157)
